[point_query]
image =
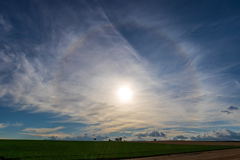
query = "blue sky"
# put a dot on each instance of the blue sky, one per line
(63, 64)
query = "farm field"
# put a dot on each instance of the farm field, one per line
(55, 150)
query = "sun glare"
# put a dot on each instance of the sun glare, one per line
(125, 93)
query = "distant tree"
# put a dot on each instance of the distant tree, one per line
(155, 139)
(116, 139)
(109, 140)
(95, 139)
(120, 139)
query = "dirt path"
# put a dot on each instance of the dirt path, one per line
(233, 143)
(226, 154)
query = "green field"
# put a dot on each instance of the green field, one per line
(42, 149)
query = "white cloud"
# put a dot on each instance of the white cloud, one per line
(86, 91)
(42, 130)
(45, 132)
(3, 125)
(17, 124)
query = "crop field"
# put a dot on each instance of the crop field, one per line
(56, 150)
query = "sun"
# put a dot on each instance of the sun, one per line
(125, 93)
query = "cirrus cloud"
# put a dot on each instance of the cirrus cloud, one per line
(42, 130)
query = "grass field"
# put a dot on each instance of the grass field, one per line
(56, 150)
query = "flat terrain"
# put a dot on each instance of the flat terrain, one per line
(75, 150)
(226, 154)
(232, 143)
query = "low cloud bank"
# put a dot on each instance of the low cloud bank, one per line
(150, 134)
(180, 137)
(220, 135)
(84, 137)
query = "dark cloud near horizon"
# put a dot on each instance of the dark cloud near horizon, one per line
(151, 134)
(220, 135)
(180, 137)
(140, 135)
(156, 134)
(124, 137)
(85, 137)
(230, 109)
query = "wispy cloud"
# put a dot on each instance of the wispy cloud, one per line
(17, 124)
(87, 91)
(237, 84)
(43, 130)
(3, 125)
(5, 25)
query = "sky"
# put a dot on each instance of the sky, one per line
(138, 69)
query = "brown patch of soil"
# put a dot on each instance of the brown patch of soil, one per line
(226, 154)
(233, 143)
